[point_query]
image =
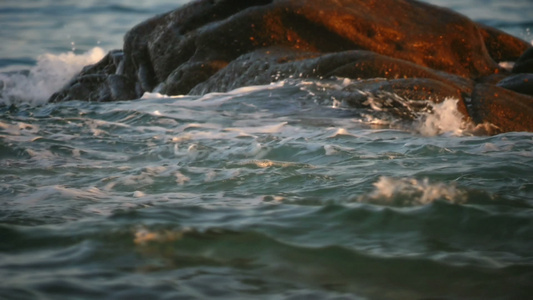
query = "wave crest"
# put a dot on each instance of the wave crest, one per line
(52, 72)
(412, 192)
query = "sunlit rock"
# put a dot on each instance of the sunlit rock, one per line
(416, 50)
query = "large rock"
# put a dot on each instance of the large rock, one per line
(505, 109)
(424, 52)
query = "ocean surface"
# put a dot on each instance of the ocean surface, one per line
(265, 192)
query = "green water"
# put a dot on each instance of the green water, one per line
(263, 193)
(273, 192)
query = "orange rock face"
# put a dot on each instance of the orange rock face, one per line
(422, 50)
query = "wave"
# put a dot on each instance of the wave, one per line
(51, 73)
(34, 86)
(412, 192)
(262, 249)
(426, 118)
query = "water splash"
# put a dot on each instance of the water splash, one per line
(444, 118)
(412, 192)
(52, 72)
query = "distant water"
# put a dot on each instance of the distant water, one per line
(265, 192)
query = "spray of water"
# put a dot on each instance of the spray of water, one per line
(412, 192)
(444, 118)
(51, 73)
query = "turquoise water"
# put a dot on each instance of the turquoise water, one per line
(266, 192)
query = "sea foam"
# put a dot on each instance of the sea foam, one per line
(444, 118)
(51, 73)
(412, 192)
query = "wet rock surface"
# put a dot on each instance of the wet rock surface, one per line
(415, 50)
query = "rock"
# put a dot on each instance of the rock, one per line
(274, 64)
(421, 51)
(500, 45)
(100, 82)
(524, 64)
(505, 109)
(520, 83)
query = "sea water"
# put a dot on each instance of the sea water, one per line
(265, 192)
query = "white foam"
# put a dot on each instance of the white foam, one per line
(46, 193)
(50, 74)
(181, 179)
(412, 192)
(217, 97)
(155, 95)
(444, 118)
(330, 150)
(138, 194)
(16, 130)
(507, 65)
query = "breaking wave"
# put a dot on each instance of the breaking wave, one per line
(412, 192)
(51, 73)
